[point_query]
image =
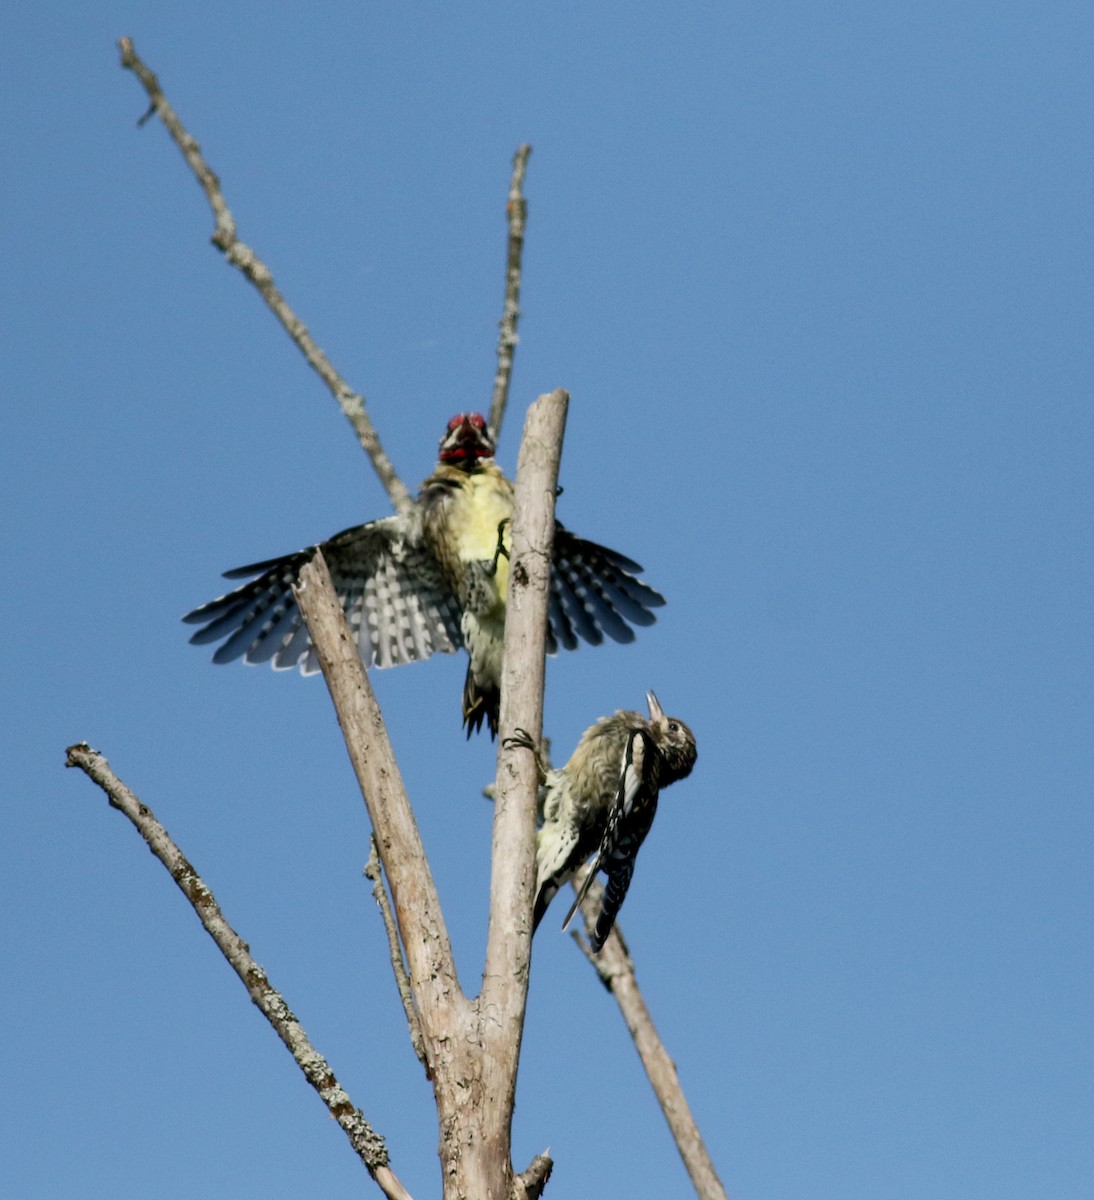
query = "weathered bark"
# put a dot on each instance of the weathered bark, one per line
(472, 1047)
(430, 970)
(242, 257)
(366, 1142)
(516, 211)
(615, 967)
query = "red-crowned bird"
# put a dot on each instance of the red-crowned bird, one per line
(432, 579)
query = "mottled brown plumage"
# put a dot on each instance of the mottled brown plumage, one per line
(603, 802)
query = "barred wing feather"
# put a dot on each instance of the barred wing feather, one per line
(622, 835)
(595, 591)
(393, 594)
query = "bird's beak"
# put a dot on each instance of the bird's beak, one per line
(655, 708)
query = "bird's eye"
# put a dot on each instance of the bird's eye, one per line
(674, 727)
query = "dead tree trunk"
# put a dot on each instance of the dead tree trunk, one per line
(472, 1045)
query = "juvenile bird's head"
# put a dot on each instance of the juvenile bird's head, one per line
(674, 741)
(466, 441)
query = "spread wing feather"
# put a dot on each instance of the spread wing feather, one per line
(597, 589)
(392, 592)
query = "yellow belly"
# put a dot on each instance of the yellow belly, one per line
(474, 523)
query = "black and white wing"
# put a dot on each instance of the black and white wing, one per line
(628, 823)
(392, 591)
(595, 591)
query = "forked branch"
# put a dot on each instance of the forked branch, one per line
(472, 1047)
(613, 964)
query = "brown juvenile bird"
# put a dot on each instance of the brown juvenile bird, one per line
(603, 802)
(432, 579)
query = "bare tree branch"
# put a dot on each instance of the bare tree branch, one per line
(244, 258)
(472, 1048)
(432, 974)
(502, 1002)
(516, 210)
(440, 1003)
(513, 873)
(615, 967)
(366, 1142)
(374, 871)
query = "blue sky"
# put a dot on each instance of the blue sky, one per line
(819, 282)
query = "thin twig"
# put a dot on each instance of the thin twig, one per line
(516, 211)
(375, 872)
(366, 1142)
(615, 968)
(244, 258)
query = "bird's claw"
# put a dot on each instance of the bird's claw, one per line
(501, 551)
(521, 740)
